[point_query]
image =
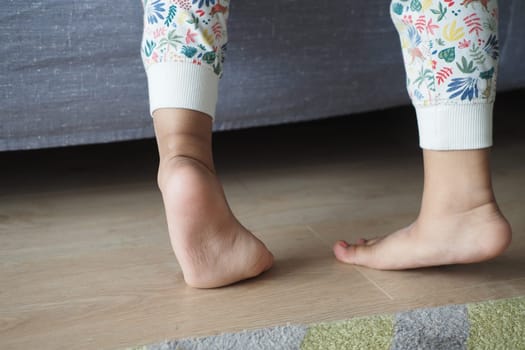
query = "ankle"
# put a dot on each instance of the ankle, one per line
(457, 181)
(177, 144)
(456, 199)
(169, 167)
(183, 133)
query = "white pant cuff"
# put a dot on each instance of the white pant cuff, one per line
(182, 85)
(455, 126)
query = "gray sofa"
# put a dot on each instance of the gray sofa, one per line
(71, 71)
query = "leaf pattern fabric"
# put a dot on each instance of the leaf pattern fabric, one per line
(450, 49)
(191, 31)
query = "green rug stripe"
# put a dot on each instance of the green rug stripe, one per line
(497, 324)
(375, 332)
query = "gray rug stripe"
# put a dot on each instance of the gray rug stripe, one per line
(445, 328)
(275, 338)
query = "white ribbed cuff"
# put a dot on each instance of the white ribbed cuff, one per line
(182, 85)
(455, 126)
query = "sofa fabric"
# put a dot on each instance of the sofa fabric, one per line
(71, 71)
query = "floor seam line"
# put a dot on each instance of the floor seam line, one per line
(358, 270)
(318, 236)
(375, 284)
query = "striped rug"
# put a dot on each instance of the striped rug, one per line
(496, 324)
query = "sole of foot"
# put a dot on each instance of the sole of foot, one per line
(211, 246)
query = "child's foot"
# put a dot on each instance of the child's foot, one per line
(437, 237)
(212, 247)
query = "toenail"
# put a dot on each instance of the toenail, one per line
(344, 244)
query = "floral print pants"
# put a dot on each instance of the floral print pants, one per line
(450, 52)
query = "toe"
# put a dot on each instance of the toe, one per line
(354, 254)
(373, 240)
(345, 252)
(365, 241)
(361, 241)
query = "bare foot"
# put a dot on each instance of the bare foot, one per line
(469, 236)
(459, 221)
(212, 247)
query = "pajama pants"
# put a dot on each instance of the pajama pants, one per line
(450, 53)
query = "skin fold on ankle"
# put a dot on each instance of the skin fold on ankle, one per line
(456, 180)
(183, 133)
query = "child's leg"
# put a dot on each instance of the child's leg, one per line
(183, 52)
(450, 50)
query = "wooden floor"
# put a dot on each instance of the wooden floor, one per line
(86, 261)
